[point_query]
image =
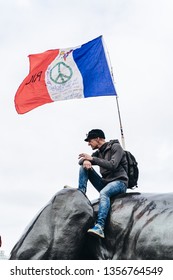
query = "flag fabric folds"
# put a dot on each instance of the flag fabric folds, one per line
(62, 74)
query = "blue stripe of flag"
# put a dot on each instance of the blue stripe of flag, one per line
(92, 63)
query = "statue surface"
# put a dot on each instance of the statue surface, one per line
(139, 226)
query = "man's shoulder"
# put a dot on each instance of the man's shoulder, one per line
(114, 142)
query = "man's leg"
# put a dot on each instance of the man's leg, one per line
(83, 179)
(92, 176)
(111, 189)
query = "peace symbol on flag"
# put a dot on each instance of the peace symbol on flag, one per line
(61, 73)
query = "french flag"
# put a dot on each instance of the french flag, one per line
(63, 74)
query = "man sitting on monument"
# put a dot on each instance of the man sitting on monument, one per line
(111, 159)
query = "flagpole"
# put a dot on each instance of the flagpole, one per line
(120, 122)
(118, 107)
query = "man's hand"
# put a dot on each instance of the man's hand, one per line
(86, 160)
(85, 156)
(87, 164)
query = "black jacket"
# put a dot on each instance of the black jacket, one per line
(112, 161)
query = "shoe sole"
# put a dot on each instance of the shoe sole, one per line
(67, 187)
(95, 234)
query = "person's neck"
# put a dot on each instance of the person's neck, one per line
(101, 143)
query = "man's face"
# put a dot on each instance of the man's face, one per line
(93, 143)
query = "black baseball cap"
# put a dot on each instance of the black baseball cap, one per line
(94, 133)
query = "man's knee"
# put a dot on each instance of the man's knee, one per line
(82, 169)
(103, 193)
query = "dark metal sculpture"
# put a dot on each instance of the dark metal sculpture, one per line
(59, 230)
(139, 226)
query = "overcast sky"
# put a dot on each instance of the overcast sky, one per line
(39, 150)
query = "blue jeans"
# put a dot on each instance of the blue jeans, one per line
(106, 191)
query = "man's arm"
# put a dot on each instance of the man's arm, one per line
(85, 160)
(85, 157)
(116, 156)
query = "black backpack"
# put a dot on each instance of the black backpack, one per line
(133, 171)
